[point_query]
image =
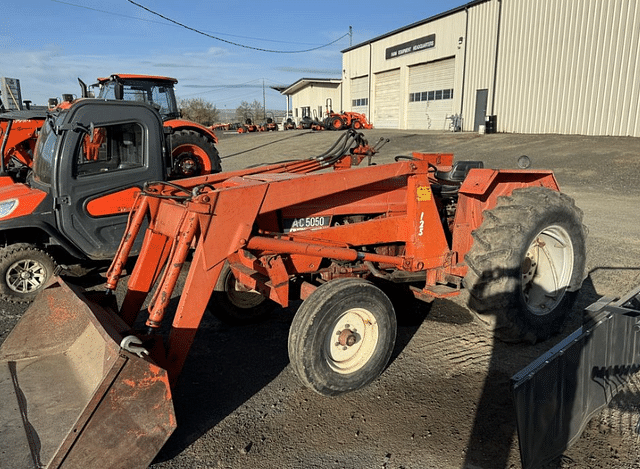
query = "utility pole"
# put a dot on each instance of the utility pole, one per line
(350, 36)
(264, 103)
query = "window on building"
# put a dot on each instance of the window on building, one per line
(360, 102)
(433, 95)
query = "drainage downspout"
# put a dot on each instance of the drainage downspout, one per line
(464, 63)
(495, 65)
(369, 106)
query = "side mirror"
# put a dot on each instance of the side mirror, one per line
(118, 90)
(83, 87)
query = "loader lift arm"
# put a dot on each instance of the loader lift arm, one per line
(252, 241)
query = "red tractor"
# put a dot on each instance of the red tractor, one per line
(351, 244)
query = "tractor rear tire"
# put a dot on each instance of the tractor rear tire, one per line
(342, 336)
(237, 306)
(526, 264)
(193, 154)
(336, 123)
(24, 271)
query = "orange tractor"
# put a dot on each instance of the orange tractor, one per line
(269, 123)
(345, 120)
(248, 125)
(78, 375)
(193, 145)
(18, 134)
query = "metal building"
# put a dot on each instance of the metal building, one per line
(544, 66)
(311, 97)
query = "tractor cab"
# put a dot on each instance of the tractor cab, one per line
(154, 90)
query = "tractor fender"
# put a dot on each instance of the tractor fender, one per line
(480, 191)
(486, 182)
(181, 124)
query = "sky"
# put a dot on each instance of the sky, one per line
(224, 52)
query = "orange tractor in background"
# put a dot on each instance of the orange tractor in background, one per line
(345, 120)
(18, 135)
(193, 146)
(248, 125)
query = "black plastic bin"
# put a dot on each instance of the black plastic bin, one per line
(490, 124)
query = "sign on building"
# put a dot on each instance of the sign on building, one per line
(427, 42)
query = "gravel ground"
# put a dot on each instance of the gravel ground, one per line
(444, 401)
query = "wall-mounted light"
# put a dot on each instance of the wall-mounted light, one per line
(460, 39)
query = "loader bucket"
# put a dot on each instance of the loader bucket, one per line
(70, 397)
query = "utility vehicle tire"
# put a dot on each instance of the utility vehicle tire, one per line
(193, 154)
(342, 336)
(24, 271)
(526, 264)
(235, 305)
(336, 123)
(357, 125)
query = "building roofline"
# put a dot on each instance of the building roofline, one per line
(302, 82)
(417, 23)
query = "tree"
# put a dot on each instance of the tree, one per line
(255, 111)
(199, 110)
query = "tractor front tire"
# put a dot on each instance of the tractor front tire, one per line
(24, 271)
(526, 264)
(193, 154)
(342, 336)
(235, 305)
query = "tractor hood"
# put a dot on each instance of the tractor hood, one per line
(18, 200)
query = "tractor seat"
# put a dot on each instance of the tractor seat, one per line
(458, 171)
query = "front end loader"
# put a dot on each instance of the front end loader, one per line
(351, 242)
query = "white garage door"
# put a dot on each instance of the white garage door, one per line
(430, 95)
(387, 105)
(360, 95)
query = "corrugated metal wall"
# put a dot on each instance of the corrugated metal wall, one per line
(567, 66)
(480, 56)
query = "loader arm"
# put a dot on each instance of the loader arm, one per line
(209, 220)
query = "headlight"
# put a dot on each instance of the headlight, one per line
(7, 207)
